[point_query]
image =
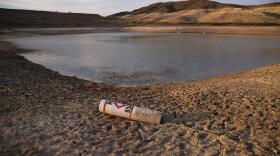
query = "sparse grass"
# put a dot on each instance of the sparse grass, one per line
(237, 16)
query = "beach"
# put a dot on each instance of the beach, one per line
(45, 113)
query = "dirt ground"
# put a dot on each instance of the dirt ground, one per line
(45, 113)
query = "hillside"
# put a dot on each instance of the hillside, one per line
(182, 12)
(28, 18)
(203, 12)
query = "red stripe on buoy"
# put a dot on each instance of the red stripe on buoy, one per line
(131, 112)
(119, 105)
(104, 107)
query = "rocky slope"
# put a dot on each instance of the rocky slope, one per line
(204, 12)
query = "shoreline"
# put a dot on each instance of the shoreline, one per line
(240, 30)
(45, 113)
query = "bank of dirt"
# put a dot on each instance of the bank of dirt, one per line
(45, 113)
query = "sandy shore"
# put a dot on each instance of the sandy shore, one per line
(45, 113)
(246, 30)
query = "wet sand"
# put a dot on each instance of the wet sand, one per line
(45, 113)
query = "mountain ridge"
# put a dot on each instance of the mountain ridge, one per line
(14, 18)
(192, 12)
(203, 11)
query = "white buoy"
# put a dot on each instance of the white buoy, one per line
(130, 112)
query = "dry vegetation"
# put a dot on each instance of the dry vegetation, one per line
(182, 12)
(257, 15)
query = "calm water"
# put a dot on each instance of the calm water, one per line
(147, 58)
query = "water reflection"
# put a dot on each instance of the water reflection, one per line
(146, 58)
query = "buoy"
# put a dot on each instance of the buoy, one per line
(130, 112)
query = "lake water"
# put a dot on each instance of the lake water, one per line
(149, 58)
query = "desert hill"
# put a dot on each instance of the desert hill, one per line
(30, 18)
(203, 12)
(181, 12)
(170, 7)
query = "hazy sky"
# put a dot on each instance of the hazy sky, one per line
(103, 7)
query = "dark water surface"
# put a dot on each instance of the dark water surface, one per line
(147, 58)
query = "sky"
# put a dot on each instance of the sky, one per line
(102, 7)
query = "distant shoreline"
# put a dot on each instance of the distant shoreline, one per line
(242, 30)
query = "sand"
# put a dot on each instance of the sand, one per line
(45, 113)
